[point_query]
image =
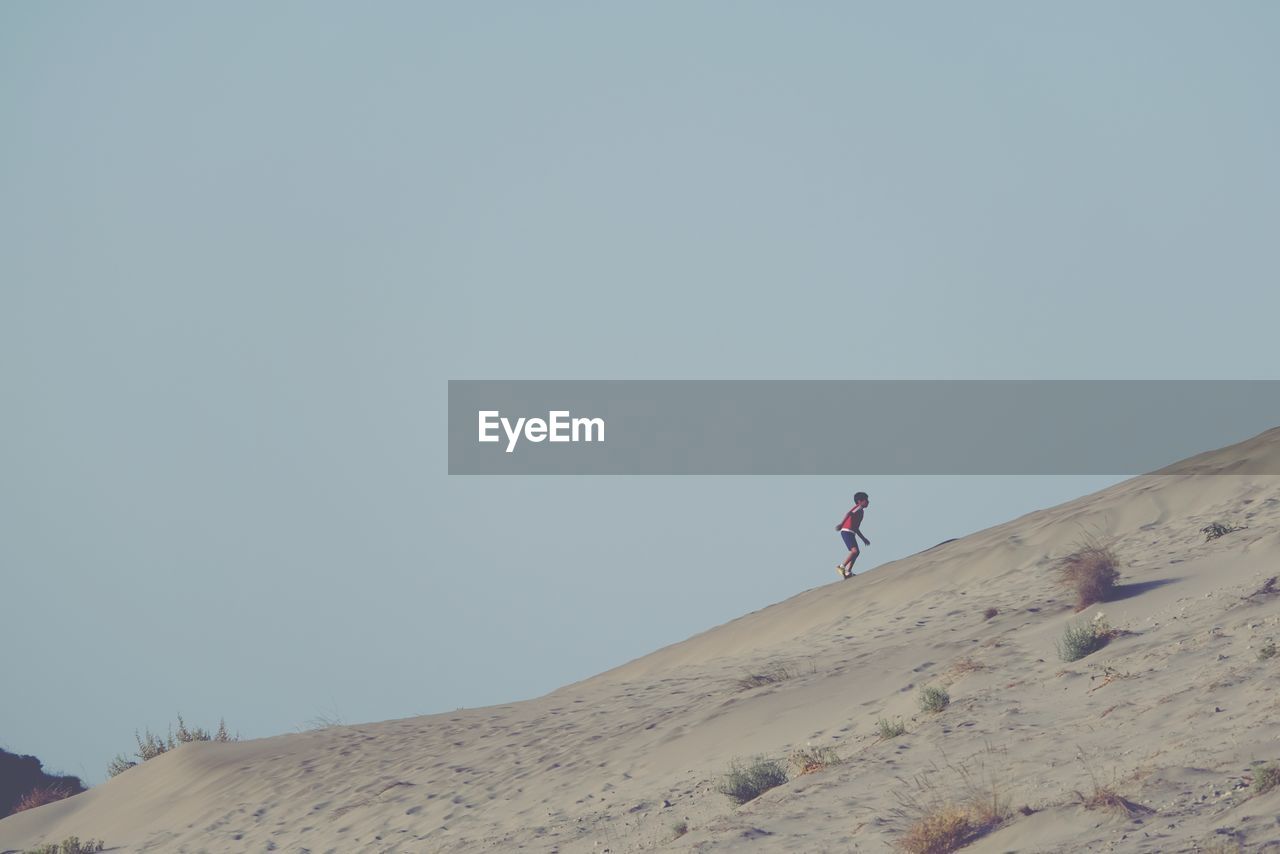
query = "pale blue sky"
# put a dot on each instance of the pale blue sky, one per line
(243, 247)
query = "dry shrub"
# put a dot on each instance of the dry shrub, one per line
(989, 613)
(1108, 675)
(1103, 796)
(769, 676)
(810, 759)
(939, 822)
(42, 795)
(947, 828)
(150, 745)
(1091, 572)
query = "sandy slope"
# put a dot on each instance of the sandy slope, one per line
(1171, 716)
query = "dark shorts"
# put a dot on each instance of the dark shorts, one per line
(850, 540)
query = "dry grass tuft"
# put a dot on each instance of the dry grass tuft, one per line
(769, 676)
(1108, 675)
(1091, 572)
(938, 823)
(810, 759)
(945, 829)
(1103, 796)
(989, 613)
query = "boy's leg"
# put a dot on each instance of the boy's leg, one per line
(845, 567)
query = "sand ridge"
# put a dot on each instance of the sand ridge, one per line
(1171, 715)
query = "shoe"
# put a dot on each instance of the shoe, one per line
(840, 571)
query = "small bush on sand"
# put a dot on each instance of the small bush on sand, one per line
(747, 782)
(1081, 638)
(1107, 798)
(70, 845)
(1267, 650)
(1265, 777)
(989, 613)
(769, 676)
(42, 795)
(1103, 796)
(947, 828)
(888, 729)
(150, 746)
(810, 759)
(934, 699)
(1091, 572)
(680, 828)
(119, 765)
(938, 822)
(1218, 529)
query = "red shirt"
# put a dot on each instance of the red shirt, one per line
(852, 520)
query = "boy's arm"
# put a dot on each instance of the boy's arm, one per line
(857, 528)
(857, 532)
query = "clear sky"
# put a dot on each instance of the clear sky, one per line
(243, 247)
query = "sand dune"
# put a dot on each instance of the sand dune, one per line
(1170, 716)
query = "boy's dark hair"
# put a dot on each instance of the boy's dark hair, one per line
(860, 496)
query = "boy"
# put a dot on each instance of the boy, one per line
(849, 529)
